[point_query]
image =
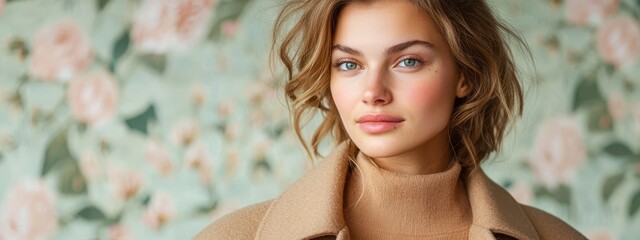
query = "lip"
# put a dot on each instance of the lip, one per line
(378, 123)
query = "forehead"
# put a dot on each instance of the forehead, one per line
(384, 23)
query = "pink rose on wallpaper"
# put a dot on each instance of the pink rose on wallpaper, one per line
(600, 234)
(618, 41)
(261, 147)
(158, 157)
(230, 28)
(232, 131)
(185, 132)
(123, 184)
(89, 166)
(119, 232)
(28, 212)
(617, 105)
(2, 3)
(60, 51)
(583, 12)
(161, 209)
(225, 108)
(197, 158)
(161, 26)
(558, 151)
(522, 192)
(93, 98)
(199, 95)
(258, 92)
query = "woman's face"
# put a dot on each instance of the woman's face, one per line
(393, 80)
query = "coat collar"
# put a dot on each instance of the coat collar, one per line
(312, 207)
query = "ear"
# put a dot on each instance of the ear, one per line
(462, 89)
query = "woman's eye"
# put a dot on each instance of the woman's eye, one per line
(347, 66)
(409, 62)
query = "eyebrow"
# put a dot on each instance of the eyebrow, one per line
(393, 49)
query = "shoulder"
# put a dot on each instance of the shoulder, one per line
(549, 226)
(241, 224)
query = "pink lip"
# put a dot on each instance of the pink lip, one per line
(378, 123)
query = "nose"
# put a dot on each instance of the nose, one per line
(376, 90)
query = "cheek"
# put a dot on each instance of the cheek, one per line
(429, 97)
(341, 97)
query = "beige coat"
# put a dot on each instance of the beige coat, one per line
(312, 209)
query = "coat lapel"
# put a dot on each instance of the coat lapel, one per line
(313, 206)
(493, 208)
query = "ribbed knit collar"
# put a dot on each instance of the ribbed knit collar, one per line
(313, 206)
(388, 203)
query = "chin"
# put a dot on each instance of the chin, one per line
(380, 148)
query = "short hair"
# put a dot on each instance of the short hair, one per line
(478, 40)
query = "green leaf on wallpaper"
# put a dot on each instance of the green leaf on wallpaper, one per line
(262, 164)
(221, 127)
(506, 183)
(91, 213)
(18, 47)
(230, 9)
(618, 149)
(119, 48)
(101, 4)
(635, 204)
(225, 11)
(561, 194)
(114, 220)
(611, 183)
(141, 122)
(599, 119)
(586, 93)
(276, 130)
(71, 181)
(145, 200)
(207, 208)
(156, 62)
(57, 153)
(212, 204)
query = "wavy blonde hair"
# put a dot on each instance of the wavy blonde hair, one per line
(303, 35)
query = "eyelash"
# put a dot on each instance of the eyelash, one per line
(340, 62)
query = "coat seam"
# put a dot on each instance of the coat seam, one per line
(264, 221)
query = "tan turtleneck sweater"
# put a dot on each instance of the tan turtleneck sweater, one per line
(380, 204)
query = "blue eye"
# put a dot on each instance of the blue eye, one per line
(409, 62)
(347, 66)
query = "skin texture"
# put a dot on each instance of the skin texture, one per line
(389, 58)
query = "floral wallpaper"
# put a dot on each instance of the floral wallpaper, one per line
(149, 119)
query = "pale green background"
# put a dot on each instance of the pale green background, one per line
(252, 153)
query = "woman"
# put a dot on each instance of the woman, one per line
(417, 93)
